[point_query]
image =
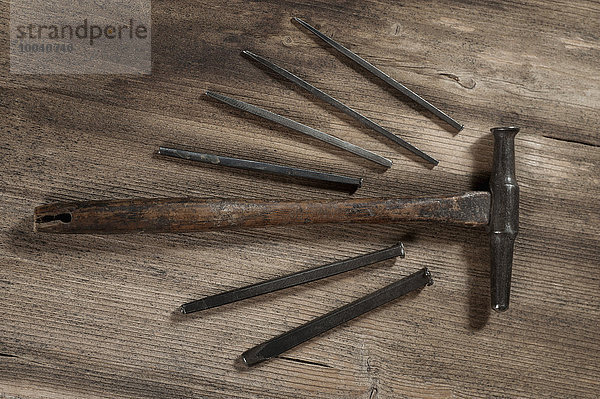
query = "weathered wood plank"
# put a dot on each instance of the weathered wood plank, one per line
(94, 315)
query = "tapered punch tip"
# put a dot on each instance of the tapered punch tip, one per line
(245, 361)
(241, 363)
(252, 56)
(194, 306)
(255, 355)
(213, 94)
(165, 151)
(301, 22)
(428, 276)
(402, 254)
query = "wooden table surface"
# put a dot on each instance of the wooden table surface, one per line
(95, 316)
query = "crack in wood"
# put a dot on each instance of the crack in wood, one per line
(305, 361)
(572, 141)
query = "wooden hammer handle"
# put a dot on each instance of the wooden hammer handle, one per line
(193, 214)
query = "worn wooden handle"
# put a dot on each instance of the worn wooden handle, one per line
(192, 214)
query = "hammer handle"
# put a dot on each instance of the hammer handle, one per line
(504, 215)
(193, 214)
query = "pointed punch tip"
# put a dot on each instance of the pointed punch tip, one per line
(254, 355)
(241, 364)
(215, 95)
(244, 361)
(194, 306)
(253, 56)
(428, 276)
(303, 23)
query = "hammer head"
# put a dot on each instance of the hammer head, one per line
(504, 214)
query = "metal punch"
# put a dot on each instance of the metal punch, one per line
(299, 127)
(383, 76)
(293, 279)
(311, 329)
(334, 181)
(340, 106)
(336, 317)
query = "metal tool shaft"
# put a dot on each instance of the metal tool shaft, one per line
(383, 76)
(341, 106)
(298, 335)
(504, 215)
(336, 181)
(299, 127)
(294, 279)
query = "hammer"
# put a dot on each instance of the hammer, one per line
(497, 209)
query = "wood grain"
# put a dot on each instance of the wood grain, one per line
(93, 316)
(184, 215)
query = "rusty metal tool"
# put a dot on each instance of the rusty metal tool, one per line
(341, 106)
(383, 76)
(350, 184)
(299, 127)
(498, 209)
(291, 280)
(303, 333)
